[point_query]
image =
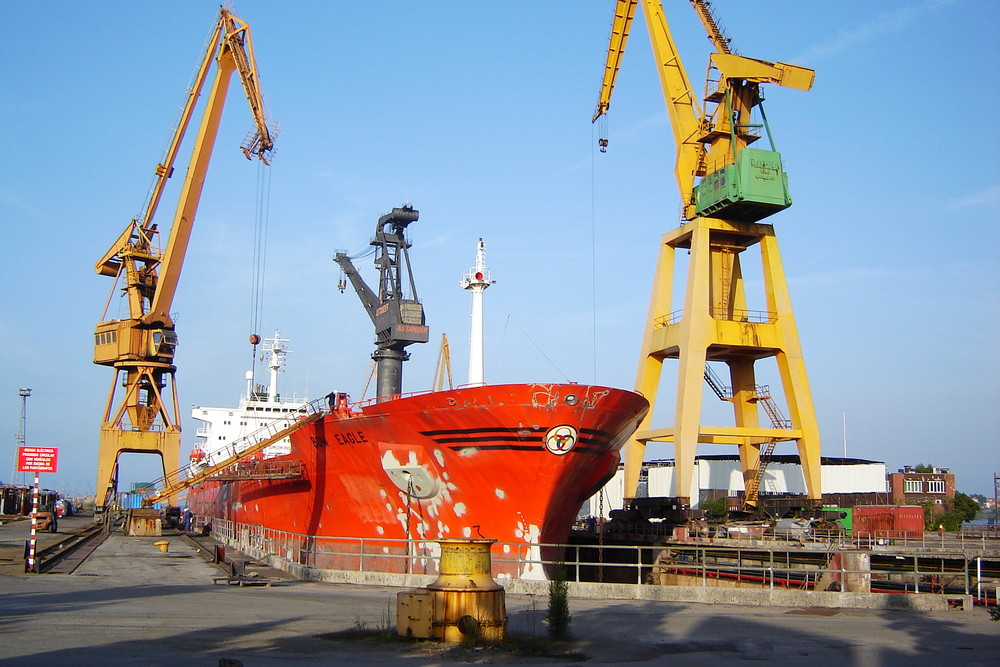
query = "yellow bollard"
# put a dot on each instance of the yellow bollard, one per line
(163, 544)
(463, 604)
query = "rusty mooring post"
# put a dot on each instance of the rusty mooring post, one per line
(463, 604)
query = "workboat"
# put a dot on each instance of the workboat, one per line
(374, 484)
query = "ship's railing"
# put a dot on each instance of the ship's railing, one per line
(360, 405)
(706, 565)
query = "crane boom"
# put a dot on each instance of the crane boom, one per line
(141, 346)
(234, 55)
(368, 298)
(682, 105)
(621, 24)
(721, 43)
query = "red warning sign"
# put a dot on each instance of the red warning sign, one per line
(37, 459)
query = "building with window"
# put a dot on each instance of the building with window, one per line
(909, 487)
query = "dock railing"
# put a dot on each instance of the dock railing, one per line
(761, 565)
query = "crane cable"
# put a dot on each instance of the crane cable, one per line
(259, 261)
(593, 231)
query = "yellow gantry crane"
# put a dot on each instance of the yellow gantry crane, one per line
(140, 344)
(726, 187)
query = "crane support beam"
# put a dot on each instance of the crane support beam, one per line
(761, 71)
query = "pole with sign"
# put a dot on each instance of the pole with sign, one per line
(36, 459)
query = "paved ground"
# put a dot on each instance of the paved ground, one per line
(131, 604)
(14, 532)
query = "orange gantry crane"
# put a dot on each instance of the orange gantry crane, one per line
(727, 187)
(143, 416)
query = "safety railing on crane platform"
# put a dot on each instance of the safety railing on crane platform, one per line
(196, 472)
(729, 315)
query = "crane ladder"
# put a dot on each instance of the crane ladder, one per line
(248, 445)
(773, 412)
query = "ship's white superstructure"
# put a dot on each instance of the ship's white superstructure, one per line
(258, 405)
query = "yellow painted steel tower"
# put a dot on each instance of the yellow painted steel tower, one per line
(726, 189)
(140, 346)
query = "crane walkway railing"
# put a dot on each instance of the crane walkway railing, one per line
(196, 472)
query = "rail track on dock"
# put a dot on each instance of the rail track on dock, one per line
(67, 554)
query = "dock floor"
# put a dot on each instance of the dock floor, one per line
(130, 603)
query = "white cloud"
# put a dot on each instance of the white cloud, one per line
(885, 23)
(987, 197)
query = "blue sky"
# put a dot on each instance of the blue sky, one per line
(479, 114)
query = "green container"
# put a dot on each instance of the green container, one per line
(751, 189)
(842, 515)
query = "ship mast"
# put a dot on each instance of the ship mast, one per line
(476, 280)
(276, 362)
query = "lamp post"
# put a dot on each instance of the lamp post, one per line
(24, 393)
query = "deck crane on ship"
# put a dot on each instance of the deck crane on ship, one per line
(727, 187)
(397, 314)
(140, 346)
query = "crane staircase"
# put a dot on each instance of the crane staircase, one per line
(236, 466)
(763, 398)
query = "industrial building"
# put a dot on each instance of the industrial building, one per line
(846, 481)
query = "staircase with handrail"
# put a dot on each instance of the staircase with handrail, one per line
(762, 395)
(238, 450)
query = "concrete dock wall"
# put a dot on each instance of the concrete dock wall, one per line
(778, 597)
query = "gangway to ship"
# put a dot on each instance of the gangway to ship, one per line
(197, 472)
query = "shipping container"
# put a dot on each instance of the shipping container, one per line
(889, 521)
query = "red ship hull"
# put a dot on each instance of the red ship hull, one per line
(509, 462)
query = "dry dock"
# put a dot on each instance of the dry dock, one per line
(131, 603)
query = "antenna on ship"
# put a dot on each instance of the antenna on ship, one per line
(476, 280)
